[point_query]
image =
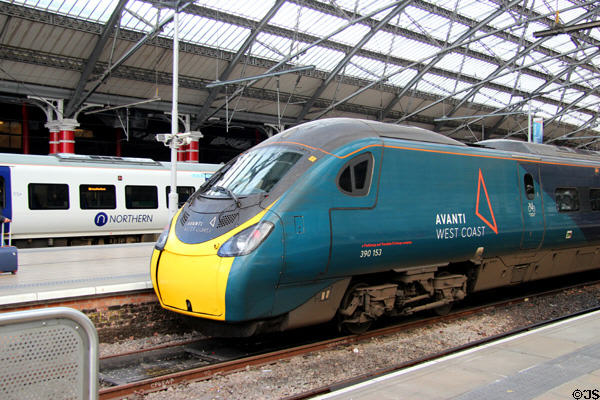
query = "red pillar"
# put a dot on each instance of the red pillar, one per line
(54, 128)
(67, 136)
(193, 152)
(66, 142)
(62, 135)
(181, 152)
(118, 142)
(53, 142)
(25, 132)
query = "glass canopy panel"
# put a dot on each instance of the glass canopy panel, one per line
(351, 35)
(492, 98)
(367, 68)
(309, 21)
(470, 67)
(275, 47)
(441, 85)
(89, 10)
(402, 78)
(493, 46)
(254, 10)
(400, 47)
(589, 101)
(475, 9)
(140, 16)
(440, 28)
(322, 58)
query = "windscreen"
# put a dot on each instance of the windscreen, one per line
(253, 172)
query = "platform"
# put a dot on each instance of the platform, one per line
(65, 272)
(558, 361)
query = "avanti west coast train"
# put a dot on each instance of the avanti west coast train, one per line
(349, 220)
(78, 199)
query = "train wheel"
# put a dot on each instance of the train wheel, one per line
(443, 310)
(354, 328)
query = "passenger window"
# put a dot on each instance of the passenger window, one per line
(529, 186)
(567, 199)
(595, 199)
(97, 197)
(48, 196)
(354, 178)
(183, 193)
(137, 197)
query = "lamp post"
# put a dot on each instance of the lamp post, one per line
(173, 198)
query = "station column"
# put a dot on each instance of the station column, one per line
(54, 128)
(67, 136)
(193, 152)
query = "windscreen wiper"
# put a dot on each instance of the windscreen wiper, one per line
(229, 192)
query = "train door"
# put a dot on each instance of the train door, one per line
(532, 206)
(5, 193)
(353, 216)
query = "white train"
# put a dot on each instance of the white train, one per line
(66, 199)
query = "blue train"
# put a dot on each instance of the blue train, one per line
(350, 220)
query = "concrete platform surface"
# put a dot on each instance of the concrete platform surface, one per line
(558, 361)
(63, 272)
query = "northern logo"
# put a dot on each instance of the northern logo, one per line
(101, 219)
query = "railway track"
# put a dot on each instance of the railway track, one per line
(157, 369)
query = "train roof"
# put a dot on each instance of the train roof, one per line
(538, 149)
(82, 160)
(331, 133)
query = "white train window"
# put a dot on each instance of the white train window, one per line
(97, 197)
(48, 196)
(138, 197)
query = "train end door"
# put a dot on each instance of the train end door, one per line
(532, 206)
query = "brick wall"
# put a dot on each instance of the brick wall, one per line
(118, 317)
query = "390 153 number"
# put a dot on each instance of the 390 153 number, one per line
(370, 253)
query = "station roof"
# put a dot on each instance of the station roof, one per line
(469, 69)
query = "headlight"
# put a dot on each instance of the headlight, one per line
(162, 239)
(246, 241)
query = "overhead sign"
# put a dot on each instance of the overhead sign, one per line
(538, 130)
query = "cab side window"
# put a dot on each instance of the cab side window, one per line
(354, 179)
(529, 186)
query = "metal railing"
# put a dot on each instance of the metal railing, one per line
(49, 353)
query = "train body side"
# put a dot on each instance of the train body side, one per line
(432, 205)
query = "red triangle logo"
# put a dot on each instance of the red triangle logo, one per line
(481, 184)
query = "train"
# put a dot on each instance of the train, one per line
(68, 199)
(347, 221)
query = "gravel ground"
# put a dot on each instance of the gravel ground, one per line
(302, 373)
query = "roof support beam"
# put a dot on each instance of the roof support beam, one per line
(488, 80)
(398, 9)
(159, 27)
(539, 90)
(212, 95)
(465, 36)
(74, 102)
(501, 68)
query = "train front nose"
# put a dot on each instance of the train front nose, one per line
(188, 275)
(192, 282)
